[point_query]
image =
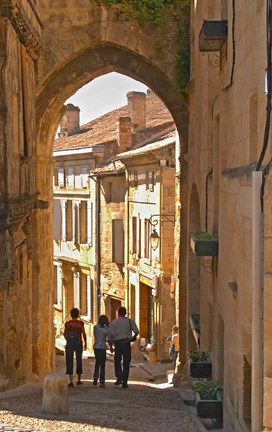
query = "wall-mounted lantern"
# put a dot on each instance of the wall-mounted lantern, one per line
(154, 220)
(212, 35)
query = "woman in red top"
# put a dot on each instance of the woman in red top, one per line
(74, 334)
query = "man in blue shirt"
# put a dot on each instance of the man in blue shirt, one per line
(122, 331)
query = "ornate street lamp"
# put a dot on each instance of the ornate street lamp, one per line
(154, 220)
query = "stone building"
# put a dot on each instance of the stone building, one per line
(150, 267)
(146, 138)
(48, 50)
(74, 225)
(228, 197)
(91, 209)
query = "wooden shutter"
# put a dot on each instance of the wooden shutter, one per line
(117, 241)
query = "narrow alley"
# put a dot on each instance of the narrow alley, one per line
(149, 404)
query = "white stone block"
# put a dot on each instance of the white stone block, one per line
(55, 394)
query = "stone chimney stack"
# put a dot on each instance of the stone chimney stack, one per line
(124, 133)
(69, 123)
(137, 109)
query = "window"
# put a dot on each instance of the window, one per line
(60, 177)
(83, 222)
(146, 238)
(69, 220)
(70, 178)
(84, 177)
(73, 221)
(76, 222)
(57, 286)
(83, 294)
(117, 241)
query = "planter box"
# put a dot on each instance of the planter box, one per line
(201, 369)
(204, 246)
(210, 408)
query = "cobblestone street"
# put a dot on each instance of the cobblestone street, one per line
(146, 406)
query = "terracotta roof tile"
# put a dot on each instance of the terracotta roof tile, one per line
(102, 130)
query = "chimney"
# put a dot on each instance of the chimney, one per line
(137, 108)
(124, 133)
(69, 123)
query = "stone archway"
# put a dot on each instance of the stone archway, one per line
(75, 44)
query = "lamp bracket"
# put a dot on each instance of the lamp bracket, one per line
(156, 218)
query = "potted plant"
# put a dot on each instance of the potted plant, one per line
(195, 326)
(204, 244)
(209, 402)
(200, 364)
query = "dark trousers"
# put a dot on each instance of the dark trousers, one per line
(122, 359)
(100, 362)
(70, 348)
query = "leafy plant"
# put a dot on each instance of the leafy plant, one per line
(195, 319)
(154, 11)
(199, 356)
(207, 389)
(203, 235)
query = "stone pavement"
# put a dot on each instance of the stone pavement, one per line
(149, 404)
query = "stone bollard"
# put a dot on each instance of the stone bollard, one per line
(55, 394)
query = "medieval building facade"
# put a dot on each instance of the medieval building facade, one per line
(103, 217)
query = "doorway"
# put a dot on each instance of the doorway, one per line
(114, 306)
(146, 313)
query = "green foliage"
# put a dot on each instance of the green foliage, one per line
(203, 235)
(153, 11)
(207, 389)
(183, 60)
(143, 10)
(199, 356)
(196, 323)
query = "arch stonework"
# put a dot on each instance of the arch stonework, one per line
(71, 44)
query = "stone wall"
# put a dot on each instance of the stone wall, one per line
(226, 137)
(46, 54)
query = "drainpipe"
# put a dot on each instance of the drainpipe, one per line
(98, 247)
(126, 254)
(257, 304)
(97, 244)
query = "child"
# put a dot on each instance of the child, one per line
(101, 334)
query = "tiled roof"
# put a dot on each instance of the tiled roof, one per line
(116, 166)
(102, 130)
(167, 140)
